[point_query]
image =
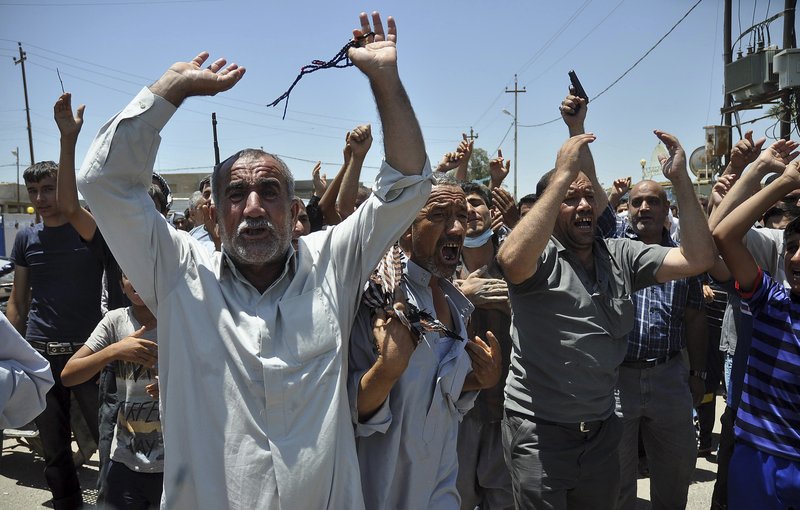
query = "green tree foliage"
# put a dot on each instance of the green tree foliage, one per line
(479, 165)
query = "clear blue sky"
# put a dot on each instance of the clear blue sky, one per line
(455, 58)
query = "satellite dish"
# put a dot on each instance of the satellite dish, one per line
(702, 164)
(652, 170)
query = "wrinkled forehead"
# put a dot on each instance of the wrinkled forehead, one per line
(446, 195)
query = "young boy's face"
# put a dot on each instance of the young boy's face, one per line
(792, 261)
(42, 195)
(129, 291)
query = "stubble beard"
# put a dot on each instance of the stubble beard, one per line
(256, 252)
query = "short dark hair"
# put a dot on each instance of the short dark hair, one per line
(792, 228)
(157, 194)
(478, 189)
(527, 200)
(41, 170)
(544, 182)
(784, 209)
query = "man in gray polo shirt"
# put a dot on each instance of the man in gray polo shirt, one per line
(570, 298)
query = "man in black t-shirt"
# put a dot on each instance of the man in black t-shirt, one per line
(55, 304)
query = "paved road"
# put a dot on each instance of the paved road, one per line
(22, 484)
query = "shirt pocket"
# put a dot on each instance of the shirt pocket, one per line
(615, 315)
(309, 325)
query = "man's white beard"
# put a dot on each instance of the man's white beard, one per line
(256, 252)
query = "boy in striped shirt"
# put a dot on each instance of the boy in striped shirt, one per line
(765, 467)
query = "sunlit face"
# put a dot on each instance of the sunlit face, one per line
(438, 232)
(255, 214)
(479, 217)
(647, 209)
(130, 292)
(42, 195)
(792, 261)
(302, 227)
(576, 218)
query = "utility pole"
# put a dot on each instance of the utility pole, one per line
(727, 57)
(16, 153)
(788, 42)
(21, 61)
(516, 92)
(472, 135)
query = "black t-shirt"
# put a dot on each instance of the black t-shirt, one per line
(65, 278)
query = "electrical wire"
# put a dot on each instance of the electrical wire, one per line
(631, 67)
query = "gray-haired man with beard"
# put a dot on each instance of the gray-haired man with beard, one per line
(251, 352)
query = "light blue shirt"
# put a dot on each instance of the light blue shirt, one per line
(25, 378)
(253, 385)
(407, 450)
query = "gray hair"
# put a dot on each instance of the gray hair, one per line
(193, 199)
(226, 165)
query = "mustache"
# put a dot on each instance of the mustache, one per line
(254, 223)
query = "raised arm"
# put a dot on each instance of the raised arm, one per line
(745, 151)
(403, 145)
(519, 254)
(359, 140)
(498, 171)
(67, 190)
(327, 203)
(618, 189)
(729, 233)
(696, 253)
(464, 153)
(573, 110)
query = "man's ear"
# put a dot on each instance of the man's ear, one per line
(405, 241)
(294, 209)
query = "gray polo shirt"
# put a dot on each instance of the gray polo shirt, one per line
(569, 334)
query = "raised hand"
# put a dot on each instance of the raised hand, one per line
(68, 125)
(135, 349)
(465, 147)
(568, 158)
(449, 161)
(320, 181)
(375, 53)
(394, 341)
(720, 189)
(745, 151)
(504, 203)
(497, 170)
(621, 186)
(186, 79)
(573, 111)
(360, 140)
(674, 166)
(775, 157)
(486, 362)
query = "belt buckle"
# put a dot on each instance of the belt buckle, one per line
(583, 427)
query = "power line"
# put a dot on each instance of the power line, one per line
(630, 68)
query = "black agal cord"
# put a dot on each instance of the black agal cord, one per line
(341, 61)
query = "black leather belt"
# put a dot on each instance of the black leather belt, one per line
(55, 348)
(650, 363)
(580, 426)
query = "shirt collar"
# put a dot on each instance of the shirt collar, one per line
(666, 239)
(419, 276)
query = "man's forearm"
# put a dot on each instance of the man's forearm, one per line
(697, 246)
(348, 191)
(403, 144)
(373, 390)
(748, 184)
(588, 168)
(519, 254)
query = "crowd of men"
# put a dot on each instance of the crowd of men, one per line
(428, 343)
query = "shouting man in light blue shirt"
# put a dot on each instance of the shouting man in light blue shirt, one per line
(252, 361)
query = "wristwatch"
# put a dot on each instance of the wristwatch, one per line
(698, 373)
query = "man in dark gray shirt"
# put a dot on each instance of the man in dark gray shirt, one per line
(570, 298)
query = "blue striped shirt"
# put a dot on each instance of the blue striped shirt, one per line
(660, 309)
(768, 417)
